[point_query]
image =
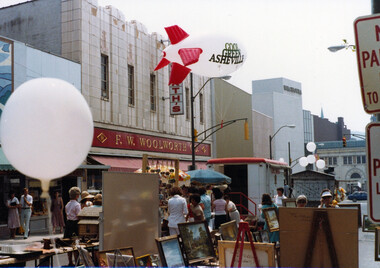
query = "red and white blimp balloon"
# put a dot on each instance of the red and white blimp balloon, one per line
(211, 56)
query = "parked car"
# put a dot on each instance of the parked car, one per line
(358, 195)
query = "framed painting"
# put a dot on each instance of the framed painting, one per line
(289, 203)
(368, 225)
(196, 241)
(265, 253)
(354, 206)
(264, 236)
(170, 251)
(120, 257)
(271, 218)
(229, 230)
(377, 245)
(144, 261)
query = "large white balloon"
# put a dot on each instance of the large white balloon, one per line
(46, 129)
(311, 159)
(310, 146)
(320, 164)
(303, 161)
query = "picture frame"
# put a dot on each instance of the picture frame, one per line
(289, 203)
(271, 218)
(354, 206)
(368, 225)
(196, 241)
(257, 237)
(170, 251)
(265, 253)
(229, 230)
(119, 257)
(377, 245)
(264, 236)
(144, 261)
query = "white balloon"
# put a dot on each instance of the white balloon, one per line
(311, 159)
(303, 161)
(46, 129)
(281, 160)
(320, 163)
(310, 146)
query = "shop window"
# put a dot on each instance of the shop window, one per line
(188, 100)
(201, 108)
(153, 90)
(131, 85)
(104, 77)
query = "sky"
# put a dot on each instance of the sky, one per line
(282, 38)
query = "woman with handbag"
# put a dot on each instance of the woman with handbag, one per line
(13, 216)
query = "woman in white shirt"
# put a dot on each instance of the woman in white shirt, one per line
(232, 210)
(177, 209)
(13, 217)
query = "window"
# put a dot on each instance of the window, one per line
(363, 159)
(131, 85)
(104, 77)
(358, 159)
(332, 161)
(188, 100)
(201, 111)
(347, 160)
(152, 92)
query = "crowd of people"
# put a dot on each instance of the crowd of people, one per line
(193, 204)
(20, 211)
(189, 204)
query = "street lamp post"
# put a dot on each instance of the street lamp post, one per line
(192, 96)
(272, 136)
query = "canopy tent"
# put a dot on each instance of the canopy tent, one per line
(208, 176)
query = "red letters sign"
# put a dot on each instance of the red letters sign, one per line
(176, 99)
(367, 35)
(373, 164)
(131, 141)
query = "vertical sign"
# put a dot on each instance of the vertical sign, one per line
(176, 99)
(367, 35)
(373, 170)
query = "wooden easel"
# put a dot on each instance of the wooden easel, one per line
(244, 230)
(321, 220)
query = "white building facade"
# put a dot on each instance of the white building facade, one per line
(348, 164)
(281, 99)
(128, 99)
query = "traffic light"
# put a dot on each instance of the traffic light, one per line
(344, 141)
(246, 130)
(195, 135)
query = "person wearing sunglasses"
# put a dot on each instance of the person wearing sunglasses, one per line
(327, 199)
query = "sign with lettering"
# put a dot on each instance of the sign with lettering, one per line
(373, 170)
(176, 99)
(131, 141)
(367, 36)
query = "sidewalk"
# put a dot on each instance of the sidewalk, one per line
(32, 238)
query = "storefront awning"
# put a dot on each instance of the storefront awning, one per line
(130, 164)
